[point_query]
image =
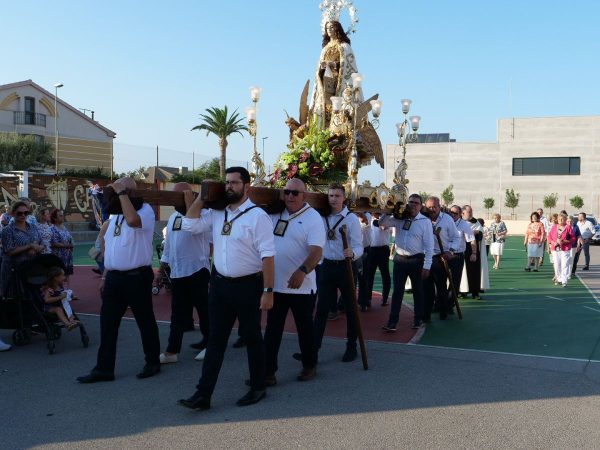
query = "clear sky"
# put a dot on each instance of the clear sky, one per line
(149, 68)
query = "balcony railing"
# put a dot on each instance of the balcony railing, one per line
(29, 118)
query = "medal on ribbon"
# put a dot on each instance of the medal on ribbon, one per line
(226, 230)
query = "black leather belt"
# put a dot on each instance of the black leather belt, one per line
(415, 256)
(237, 279)
(333, 262)
(130, 272)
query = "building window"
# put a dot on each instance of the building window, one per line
(29, 111)
(546, 166)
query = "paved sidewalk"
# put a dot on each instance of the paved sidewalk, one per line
(412, 397)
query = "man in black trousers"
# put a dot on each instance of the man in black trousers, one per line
(379, 257)
(241, 283)
(126, 282)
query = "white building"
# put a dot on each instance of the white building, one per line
(534, 156)
(27, 108)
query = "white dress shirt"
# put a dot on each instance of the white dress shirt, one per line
(184, 252)
(545, 223)
(334, 249)
(450, 236)
(417, 239)
(380, 236)
(466, 234)
(304, 229)
(133, 247)
(241, 252)
(365, 228)
(586, 229)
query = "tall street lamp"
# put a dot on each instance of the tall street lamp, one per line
(56, 86)
(257, 163)
(263, 149)
(405, 137)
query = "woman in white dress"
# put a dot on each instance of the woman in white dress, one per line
(499, 232)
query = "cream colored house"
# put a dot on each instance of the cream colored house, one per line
(533, 156)
(27, 108)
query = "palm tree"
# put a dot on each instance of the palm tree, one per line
(218, 123)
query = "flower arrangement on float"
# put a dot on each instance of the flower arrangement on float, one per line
(317, 158)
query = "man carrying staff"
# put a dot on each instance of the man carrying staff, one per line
(186, 255)
(436, 285)
(412, 258)
(332, 272)
(299, 240)
(126, 282)
(241, 283)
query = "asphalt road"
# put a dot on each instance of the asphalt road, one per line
(412, 397)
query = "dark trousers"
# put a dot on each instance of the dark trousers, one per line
(231, 298)
(407, 267)
(302, 307)
(586, 251)
(473, 271)
(379, 259)
(435, 288)
(457, 265)
(122, 289)
(187, 293)
(331, 277)
(365, 288)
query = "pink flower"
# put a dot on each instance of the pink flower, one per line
(303, 156)
(275, 176)
(292, 170)
(315, 170)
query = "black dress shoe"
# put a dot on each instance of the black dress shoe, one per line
(350, 354)
(270, 381)
(200, 345)
(363, 308)
(94, 377)
(148, 371)
(384, 303)
(97, 271)
(196, 401)
(297, 356)
(251, 397)
(417, 324)
(239, 343)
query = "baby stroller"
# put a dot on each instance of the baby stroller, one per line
(163, 278)
(24, 311)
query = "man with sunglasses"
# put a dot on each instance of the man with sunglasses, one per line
(299, 239)
(412, 259)
(436, 285)
(331, 275)
(241, 283)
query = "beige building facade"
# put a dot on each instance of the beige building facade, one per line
(27, 108)
(534, 156)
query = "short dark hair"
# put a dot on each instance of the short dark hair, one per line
(17, 205)
(54, 215)
(583, 214)
(244, 174)
(53, 272)
(337, 186)
(535, 213)
(416, 196)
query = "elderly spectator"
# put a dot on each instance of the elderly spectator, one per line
(535, 237)
(61, 241)
(42, 216)
(587, 231)
(499, 231)
(560, 241)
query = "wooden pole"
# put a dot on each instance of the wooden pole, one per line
(448, 273)
(350, 280)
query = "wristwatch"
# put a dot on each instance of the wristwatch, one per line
(303, 268)
(269, 289)
(122, 193)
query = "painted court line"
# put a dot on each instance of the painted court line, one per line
(556, 298)
(593, 309)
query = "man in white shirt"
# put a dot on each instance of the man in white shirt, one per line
(463, 250)
(127, 282)
(241, 283)
(187, 257)
(547, 227)
(365, 289)
(379, 258)
(587, 230)
(413, 252)
(436, 285)
(331, 274)
(472, 255)
(299, 239)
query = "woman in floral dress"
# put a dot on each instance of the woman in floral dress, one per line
(61, 242)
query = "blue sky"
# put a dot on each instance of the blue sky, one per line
(148, 69)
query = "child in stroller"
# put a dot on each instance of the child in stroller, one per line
(57, 299)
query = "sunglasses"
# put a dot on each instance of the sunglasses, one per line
(454, 213)
(291, 191)
(22, 213)
(414, 203)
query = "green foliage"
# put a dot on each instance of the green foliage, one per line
(92, 174)
(576, 202)
(424, 195)
(447, 195)
(207, 171)
(511, 200)
(311, 159)
(19, 152)
(550, 201)
(488, 203)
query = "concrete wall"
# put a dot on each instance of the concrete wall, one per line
(484, 169)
